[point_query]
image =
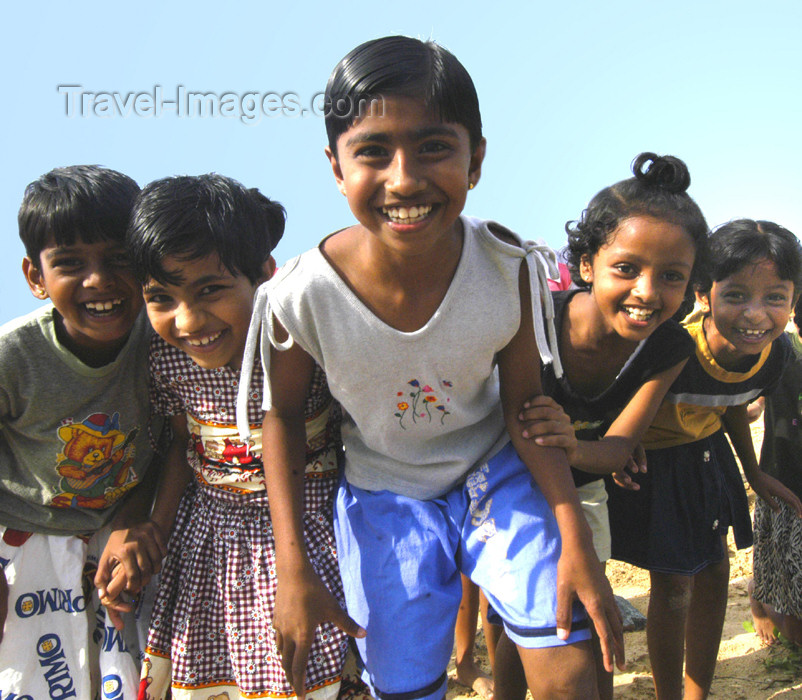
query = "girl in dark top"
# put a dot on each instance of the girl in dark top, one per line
(676, 524)
(632, 254)
(775, 593)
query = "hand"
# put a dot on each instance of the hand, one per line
(755, 409)
(301, 605)
(139, 550)
(771, 490)
(3, 601)
(112, 598)
(635, 464)
(624, 481)
(580, 575)
(548, 424)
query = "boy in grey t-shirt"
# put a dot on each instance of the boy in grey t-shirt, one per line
(75, 441)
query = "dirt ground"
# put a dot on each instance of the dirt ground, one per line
(746, 670)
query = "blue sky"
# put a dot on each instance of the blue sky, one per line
(570, 93)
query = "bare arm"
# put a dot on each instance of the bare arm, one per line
(302, 600)
(579, 572)
(177, 474)
(613, 452)
(736, 423)
(138, 543)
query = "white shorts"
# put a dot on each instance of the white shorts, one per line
(593, 497)
(57, 642)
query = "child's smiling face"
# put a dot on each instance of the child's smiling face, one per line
(406, 173)
(94, 291)
(747, 312)
(208, 313)
(638, 279)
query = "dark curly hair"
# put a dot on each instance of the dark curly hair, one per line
(658, 189)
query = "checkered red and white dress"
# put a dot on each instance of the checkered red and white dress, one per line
(210, 632)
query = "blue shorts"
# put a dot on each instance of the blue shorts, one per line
(401, 559)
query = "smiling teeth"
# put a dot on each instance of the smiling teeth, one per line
(407, 215)
(200, 342)
(753, 333)
(103, 305)
(639, 314)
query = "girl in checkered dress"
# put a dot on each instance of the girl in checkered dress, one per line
(201, 246)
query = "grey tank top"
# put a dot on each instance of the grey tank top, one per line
(421, 408)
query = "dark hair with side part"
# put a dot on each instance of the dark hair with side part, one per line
(192, 216)
(658, 189)
(743, 242)
(400, 65)
(86, 202)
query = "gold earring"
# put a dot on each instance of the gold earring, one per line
(471, 185)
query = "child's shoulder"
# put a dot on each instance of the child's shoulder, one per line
(31, 341)
(310, 268)
(674, 329)
(669, 344)
(497, 230)
(492, 234)
(27, 332)
(31, 319)
(497, 241)
(692, 322)
(163, 358)
(796, 344)
(785, 347)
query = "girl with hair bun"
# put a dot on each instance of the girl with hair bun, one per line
(632, 255)
(676, 523)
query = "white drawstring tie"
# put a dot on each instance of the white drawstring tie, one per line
(542, 262)
(262, 335)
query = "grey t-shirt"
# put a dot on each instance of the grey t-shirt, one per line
(73, 439)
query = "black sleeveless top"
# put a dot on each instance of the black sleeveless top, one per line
(592, 416)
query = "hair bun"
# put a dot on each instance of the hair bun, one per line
(666, 172)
